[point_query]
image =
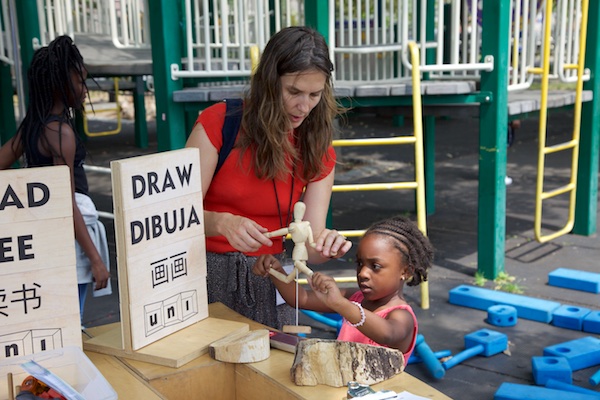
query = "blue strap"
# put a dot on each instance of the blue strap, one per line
(231, 126)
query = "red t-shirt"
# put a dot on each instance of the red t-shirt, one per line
(237, 190)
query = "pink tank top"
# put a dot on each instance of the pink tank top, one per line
(351, 334)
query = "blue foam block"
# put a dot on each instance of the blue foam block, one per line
(570, 317)
(574, 279)
(502, 315)
(515, 391)
(591, 322)
(580, 353)
(481, 299)
(554, 384)
(493, 342)
(545, 368)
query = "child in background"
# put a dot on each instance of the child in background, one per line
(390, 253)
(47, 137)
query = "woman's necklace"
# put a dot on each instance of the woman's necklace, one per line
(289, 214)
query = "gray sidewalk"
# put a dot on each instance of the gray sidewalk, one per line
(453, 232)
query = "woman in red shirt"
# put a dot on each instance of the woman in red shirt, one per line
(282, 153)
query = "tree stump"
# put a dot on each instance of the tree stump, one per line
(243, 347)
(335, 363)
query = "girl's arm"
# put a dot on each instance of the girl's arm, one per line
(10, 152)
(329, 243)
(242, 233)
(66, 147)
(395, 331)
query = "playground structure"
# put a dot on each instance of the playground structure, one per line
(476, 60)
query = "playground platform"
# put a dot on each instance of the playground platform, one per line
(453, 231)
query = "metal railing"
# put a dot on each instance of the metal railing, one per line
(129, 24)
(7, 55)
(370, 39)
(125, 21)
(220, 33)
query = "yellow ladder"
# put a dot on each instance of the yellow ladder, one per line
(419, 182)
(573, 144)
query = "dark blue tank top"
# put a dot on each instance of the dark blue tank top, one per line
(40, 160)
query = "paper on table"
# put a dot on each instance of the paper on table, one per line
(409, 396)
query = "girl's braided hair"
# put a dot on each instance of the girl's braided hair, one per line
(50, 81)
(410, 241)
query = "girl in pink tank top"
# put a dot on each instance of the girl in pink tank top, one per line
(391, 253)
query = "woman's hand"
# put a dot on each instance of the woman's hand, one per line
(243, 234)
(332, 244)
(264, 263)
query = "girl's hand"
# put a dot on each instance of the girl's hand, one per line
(100, 274)
(332, 244)
(325, 289)
(264, 263)
(244, 234)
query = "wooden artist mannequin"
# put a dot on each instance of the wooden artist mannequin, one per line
(301, 233)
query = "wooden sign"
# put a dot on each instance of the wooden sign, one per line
(161, 251)
(39, 301)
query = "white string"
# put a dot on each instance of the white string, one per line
(297, 312)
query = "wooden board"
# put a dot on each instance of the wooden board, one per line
(161, 249)
(39, 301)
(172, 351)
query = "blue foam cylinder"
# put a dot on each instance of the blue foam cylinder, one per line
(463, 355)
(431, 362)
(484, 341)
(595, 379)
(415, 359)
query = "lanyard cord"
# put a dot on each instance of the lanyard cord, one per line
(287, 222)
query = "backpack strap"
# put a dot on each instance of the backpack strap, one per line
(231, 126)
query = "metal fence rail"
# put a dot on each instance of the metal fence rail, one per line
(220, 34)
(125, 21)
(6, 35)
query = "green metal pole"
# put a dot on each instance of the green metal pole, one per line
(587, 173)
(8, 127)
(492, 141)
(166, 38)
(139, 105)
(429, 158)
(316, 15)
(29, 32)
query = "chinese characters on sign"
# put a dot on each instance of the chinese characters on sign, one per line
(39, 304)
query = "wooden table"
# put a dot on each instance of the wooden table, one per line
(124, 381)
(207, 378)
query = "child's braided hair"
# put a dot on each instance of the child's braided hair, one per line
(49, 80)
(410, 241)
